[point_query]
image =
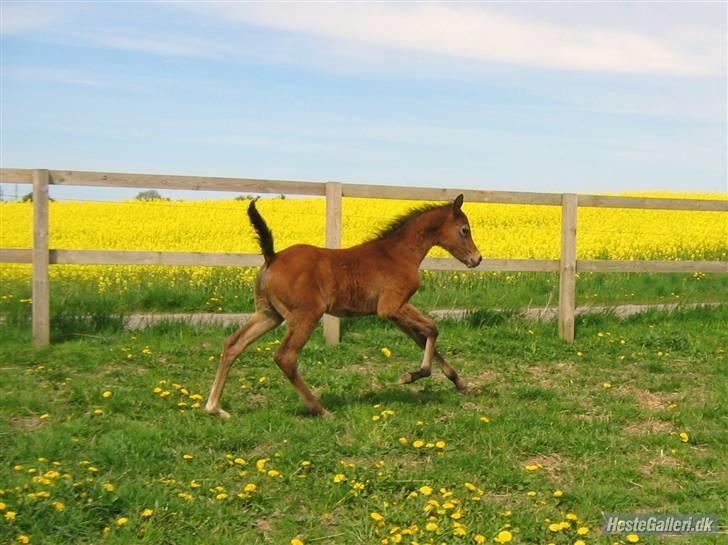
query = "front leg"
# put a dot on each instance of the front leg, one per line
(425, 369)
(423, 330)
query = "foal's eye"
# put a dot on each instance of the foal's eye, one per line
(465, 231)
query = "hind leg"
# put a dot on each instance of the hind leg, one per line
(260, 323)
(299, 330)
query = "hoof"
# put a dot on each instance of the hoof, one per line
(326, 414)
(406, 378)
(462, 388)
(218, 412)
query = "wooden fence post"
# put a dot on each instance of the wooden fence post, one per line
(333, 240)
(41, 280)
(567, 278)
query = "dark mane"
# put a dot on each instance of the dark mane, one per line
(400, 221)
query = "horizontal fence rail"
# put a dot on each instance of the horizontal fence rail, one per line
(293, 187)
(40, 256)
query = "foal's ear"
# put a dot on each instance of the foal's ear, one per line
(457, 203)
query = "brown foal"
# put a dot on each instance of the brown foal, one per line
(301, 283)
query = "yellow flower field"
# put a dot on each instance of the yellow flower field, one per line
(500, 231)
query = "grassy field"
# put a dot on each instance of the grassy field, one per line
(103, 440)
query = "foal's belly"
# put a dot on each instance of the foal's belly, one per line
(351, 306)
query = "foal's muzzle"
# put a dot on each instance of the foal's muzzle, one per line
(474, 262)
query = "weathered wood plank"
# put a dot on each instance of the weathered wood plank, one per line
(604, 265)
(118, 257)
(252, 185)
(16, 176)
(567, 278)
(438, 194)
(121, 257)
(203, 183)
(609, 201)
(332, 326)
(16, 255)
(41, 317)
(506, 265)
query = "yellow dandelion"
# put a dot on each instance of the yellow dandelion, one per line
(146, 513)
(558, 493)
(339, 478)
(59, 506)
(633, 538)
(250, 487)
(418, 443)
(22, 538)
(10, 515)
(571, 516)
(387, 352)
(431, 527)
(606, 385)
(109, 487)
(582, 530)
(503, 536)
(274, 473)
(441, 444)
(296, 541)
(479, 539)
(121, 521)
(403, 441)
(107, 394)
(376, 517)
(684, 437)
(260, 464)
(240, 461)
(426, 490)
(187, 457)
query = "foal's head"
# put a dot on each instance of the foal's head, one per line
(454, 235)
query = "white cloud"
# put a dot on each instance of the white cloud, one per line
(479, 33)
(21, 17)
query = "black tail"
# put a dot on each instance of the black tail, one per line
(265, 236)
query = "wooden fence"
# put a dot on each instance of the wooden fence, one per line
(567, 267)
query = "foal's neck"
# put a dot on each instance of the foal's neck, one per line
(417, 237)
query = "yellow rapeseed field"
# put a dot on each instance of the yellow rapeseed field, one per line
(500, 231)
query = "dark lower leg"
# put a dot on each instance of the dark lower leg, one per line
(447, 370)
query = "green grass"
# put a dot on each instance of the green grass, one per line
(614, 449)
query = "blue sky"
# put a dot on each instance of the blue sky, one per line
(585, 97)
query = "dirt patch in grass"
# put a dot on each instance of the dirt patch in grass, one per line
(660, 461)
(550, 373)
(645, 399)
(26, 423)
(484, 378)
(649, 426)
(550, 463)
